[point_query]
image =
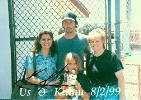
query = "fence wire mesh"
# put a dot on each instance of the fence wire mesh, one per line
(30, 16)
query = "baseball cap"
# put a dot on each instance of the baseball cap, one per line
(69, 15)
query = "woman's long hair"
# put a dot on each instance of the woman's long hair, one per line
(37, 46)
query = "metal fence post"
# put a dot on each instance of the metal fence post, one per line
(12, 43)
(109, 25)
(117, 26)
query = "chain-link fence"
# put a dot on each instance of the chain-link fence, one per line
(30, 16)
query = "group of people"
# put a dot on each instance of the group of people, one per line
(60, 65)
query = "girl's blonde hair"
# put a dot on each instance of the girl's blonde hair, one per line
(72, 55)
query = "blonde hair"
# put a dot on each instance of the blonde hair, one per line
(72, 55)
(97, 33)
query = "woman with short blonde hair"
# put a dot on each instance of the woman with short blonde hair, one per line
(104, 69)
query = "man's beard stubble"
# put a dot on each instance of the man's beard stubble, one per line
(69, 30)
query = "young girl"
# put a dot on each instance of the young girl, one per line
(77, 85)
(46, 57)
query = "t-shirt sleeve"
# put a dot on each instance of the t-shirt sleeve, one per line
(87, 65)
(28, 64)
(84, 82)
(117, 63)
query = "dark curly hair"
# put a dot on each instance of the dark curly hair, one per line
(37, 46)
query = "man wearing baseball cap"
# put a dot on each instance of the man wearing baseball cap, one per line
(70, 40)
(70, 15)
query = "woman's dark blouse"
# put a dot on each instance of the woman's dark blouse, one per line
(101, 69)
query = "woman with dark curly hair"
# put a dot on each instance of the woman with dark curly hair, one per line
(45, 54)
